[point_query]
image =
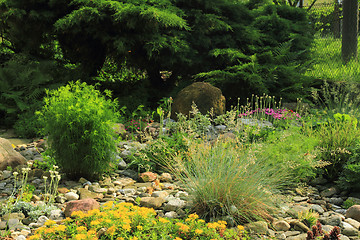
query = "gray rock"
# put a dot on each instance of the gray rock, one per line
(300, 199)
(294, 210)
(174, 204)
(121, 163)
(128, 191)
(348, 229)
(329, 192)
(17, 215)
(13, 223)
(151, 202)
(7, 174)
(182, 195)
(259, 227)
(220, 128)
(353, 212)
(343, 237)
(2, 185)
(298, 237)
(281, 226)
(336, 200)
(162, 194)
(20, 237)
(171, 214)
(57, 215)
(280, 236)
(292, 233)
(3, 225)
(333, 220)
(353, 222)
(299, 226)
(317, 208)
(129, 173)
(60, 199)
(124, 182)
(318, 181)
(71, 196)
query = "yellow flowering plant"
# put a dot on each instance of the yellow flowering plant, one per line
(116, 221)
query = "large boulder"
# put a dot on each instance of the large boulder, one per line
(8, 156)
(204, 95)
(353, 212)
(83, 205)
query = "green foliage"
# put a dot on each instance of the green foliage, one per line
(240, 47)
(23, 83)
(328, 65)
(224, 179)
(348, 203)
(338, 97)
(47, 163)
(27, 125)
(78, 120)
(308, 217)
(292, 149)
(28, 192)
(338, 135)
(350, 177)
(276, 62)
(29, 210)
(322, 18)
(160, 152)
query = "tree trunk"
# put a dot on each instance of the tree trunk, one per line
(349, 30)
(336, 23)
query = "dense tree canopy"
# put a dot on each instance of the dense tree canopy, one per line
(242, 47)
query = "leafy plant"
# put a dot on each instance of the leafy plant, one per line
(47, 163)
(79, 121)
(350, 177)
(23, 84)
(337, 137)
(294, 150)
(308, 217)
(338, 97)
(348, 203)
(160, 152)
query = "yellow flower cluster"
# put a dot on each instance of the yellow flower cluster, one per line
(217, 225)
(183, 227)
(125, 221)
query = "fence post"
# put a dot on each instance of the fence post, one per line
(349, 30)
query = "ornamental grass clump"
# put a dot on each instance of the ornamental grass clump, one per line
(224, 179)
(78, 121)
(126, 221)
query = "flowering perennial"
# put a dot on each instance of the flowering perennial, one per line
(126, 221)
(279, 114)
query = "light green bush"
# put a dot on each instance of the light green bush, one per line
(78, 121)
(293, 149)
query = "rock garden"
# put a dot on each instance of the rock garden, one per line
(264, 172)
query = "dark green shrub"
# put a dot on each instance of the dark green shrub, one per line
(350, 177)
(78, 120)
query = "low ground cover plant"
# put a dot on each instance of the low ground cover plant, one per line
(78, 120)
(127, 221)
